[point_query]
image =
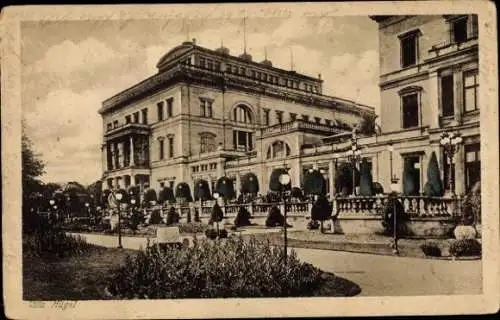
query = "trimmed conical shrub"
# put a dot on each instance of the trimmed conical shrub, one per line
(366, 180)
(321, 210)
(434, 185)
(183, 191)
(249, 184)
(202, 190)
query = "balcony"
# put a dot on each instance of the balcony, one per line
(127, 129)
(447, 47)
(301, 126)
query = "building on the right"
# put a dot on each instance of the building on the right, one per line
(429, 87)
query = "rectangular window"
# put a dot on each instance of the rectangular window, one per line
(136, 117)
(293, 116)
(159, 106)
(170, 147)
(470, 91)
(205, 108)
(109, 126)
(279, 117)
(202, 62)
(474, 26)
(115, 124)
(162, 149)
(459, 30)
(128, 119)
(410, 110)
(472, 165)
(409, 49)
(170, 105)
(447, 97)
(266, 117)
(144, 116)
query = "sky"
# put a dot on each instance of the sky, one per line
(70, 67)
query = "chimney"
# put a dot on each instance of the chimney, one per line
(319, 75)
(194, 40)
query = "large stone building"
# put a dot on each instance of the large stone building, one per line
(429, 85)
(207, 114)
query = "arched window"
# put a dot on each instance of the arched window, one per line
(278, 149)
(242, 113)
(207, 143)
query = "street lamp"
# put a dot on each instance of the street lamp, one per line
(395, 190)
(284, 180)
(450, 143)
(354, 156)
(119, 198)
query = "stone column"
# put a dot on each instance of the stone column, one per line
(296, 173)
(132, 162)
(433, 101)
(121, 154)
(458, 96)
(459, 171)
(132, 180)
(220, 168)
(104, 157)
(331, 178)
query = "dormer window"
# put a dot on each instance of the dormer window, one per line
(409, 48)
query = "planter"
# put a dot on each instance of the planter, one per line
(464, 232)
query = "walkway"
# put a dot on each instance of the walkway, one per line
(376, 275)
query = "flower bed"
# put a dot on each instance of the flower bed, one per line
(217, 269)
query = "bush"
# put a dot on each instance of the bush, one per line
(234, 268)
(222, 233)
(52, 242)
(172, 216)
(242, 218)
(472, 207)
(387, 211)
(211, 234)
(274, 217)
(312, 225)
(431, 249)
(155, 217)
(192, 227)
(465, 247)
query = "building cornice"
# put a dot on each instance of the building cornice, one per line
(215, 79)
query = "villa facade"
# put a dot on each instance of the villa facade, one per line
(208, 114)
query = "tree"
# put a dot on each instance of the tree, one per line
(249, 184)
(343, 179)
(274, 180)
(150, 196)
(434, 185)
(367, 124)
(166, 195)
(202, 191)
(314, 183)
(409, 184)
(225, 188)
(365, 180)
(183, 192)
(32, 170)
(321, 210)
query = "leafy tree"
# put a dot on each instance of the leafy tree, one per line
(366, 180)
(182, 191)
(225, 188)
(434, 185)
(249, 184)
(32, 170)
(321, 210)
(202, 190)
(343, 179)
(149, 196)
(274, 182)
(409, 184)
(367, 124)
(166, 195)
(314, 183)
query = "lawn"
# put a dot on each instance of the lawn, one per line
(73, 278)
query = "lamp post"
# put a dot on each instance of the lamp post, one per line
(119, 198)
(450, 143)
(354, 156)
(284, 180)
(51, 203)
(394, 189)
